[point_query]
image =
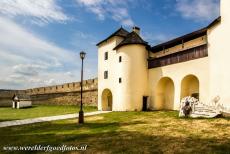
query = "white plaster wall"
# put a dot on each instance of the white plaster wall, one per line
(198, 67)
(107, 65)
(219, 54)
(134, 73)
(23, 104)
(128, 95)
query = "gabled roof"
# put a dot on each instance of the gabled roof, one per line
(131, 38)
(21, 96)
(120, 32)
(185, 38)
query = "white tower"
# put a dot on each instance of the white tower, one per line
(122, 71)
(219, 53)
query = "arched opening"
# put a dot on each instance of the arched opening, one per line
(164, 94)
(190, 86)
(107, 100)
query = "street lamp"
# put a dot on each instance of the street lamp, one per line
(81, 113)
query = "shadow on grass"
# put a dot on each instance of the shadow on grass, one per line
(4, 120)
(108, 137)
(113, 133)
(128, 142)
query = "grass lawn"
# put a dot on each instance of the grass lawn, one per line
(128, 132)
(7, 113)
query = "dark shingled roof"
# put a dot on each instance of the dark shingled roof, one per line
(22, 96)
(120, 32)
(131, 38)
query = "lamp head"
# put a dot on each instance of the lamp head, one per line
(82, 54)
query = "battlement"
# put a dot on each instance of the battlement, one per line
(88, 85)
(68, 93)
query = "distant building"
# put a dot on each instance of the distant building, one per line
(133, 75)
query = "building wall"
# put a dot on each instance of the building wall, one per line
(176, 72)
(109, 65)
(134, 74)
(219, 53)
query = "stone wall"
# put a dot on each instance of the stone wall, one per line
(6, 96)
(66, 94)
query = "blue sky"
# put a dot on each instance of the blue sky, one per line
(40, 40)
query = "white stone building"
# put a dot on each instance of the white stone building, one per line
(133, 76)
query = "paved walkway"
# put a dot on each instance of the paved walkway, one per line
(45, 119)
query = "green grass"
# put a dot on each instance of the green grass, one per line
(7, 113)
(128, 132)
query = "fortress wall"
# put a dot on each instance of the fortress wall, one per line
(66, 94)
(6, 96)
(65, 98)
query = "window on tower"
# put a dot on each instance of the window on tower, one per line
(120, 59)
(106, 75)
(106, 55)
(120, 80)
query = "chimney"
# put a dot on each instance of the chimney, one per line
(136, 30)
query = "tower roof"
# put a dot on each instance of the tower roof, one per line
(120, 32)
(131, 38)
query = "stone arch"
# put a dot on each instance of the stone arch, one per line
(107, 100)
(165, 91)
(190, 86)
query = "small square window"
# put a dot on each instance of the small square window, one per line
(106, 75)
(120, 59)
(106, 55)
(120, 80)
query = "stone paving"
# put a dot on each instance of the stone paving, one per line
(45, 119)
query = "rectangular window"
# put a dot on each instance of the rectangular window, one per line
(120, 80)
(106, 55)
(106, 75)
(120, 59)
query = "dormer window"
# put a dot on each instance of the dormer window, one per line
(106, 55)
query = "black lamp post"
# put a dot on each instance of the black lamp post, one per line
(81, 113)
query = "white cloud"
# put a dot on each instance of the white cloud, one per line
(26, 60)
(50, 82)
(115, 9)
(198, 10)
(41, 11)
(27, 69)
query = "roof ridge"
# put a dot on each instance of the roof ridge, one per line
(132, 38)
(120, 32)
